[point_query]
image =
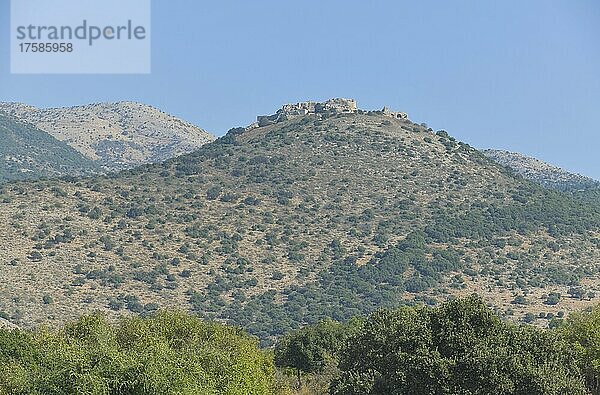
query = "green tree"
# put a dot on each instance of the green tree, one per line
(582, 331)
(169, 353)
(311, 348)
(461, 347)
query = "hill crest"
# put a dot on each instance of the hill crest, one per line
(117, 135)
(541, 172)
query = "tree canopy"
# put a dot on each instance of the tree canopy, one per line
(170, 353)
(458, 348)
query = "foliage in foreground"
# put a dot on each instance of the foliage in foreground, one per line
(461, 347)
(170, 353)
(582, 331)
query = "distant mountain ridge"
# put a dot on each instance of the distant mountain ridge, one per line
(540, 172)
(116, 136)
(27, 153)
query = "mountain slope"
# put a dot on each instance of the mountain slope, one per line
(116, 135)
(276, 226)
(541, 172)
(29, 153)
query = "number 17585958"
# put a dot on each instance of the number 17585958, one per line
(46, 47)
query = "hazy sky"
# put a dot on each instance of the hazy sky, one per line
(517, 75)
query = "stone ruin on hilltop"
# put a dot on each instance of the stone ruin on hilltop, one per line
(329, 107)
(291, 111)
(393, 114)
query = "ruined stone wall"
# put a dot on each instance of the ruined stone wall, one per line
(332, 106)
(337, 106)
(291, 111)
(394, 114)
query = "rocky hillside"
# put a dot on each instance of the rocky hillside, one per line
(541, 172)
(321, 214)
(29, 153)
(115, 135)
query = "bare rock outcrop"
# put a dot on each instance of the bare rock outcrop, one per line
(6, 324)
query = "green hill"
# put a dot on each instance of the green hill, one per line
(321, 215)
(29, 153)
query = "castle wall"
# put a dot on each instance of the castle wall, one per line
(332, 106)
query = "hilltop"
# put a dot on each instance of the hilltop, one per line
(328, 213)
(116, 136)
(541, 172)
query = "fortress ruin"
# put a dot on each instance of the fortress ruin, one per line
(329, 107)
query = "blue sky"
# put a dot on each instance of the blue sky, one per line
(517, 75)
